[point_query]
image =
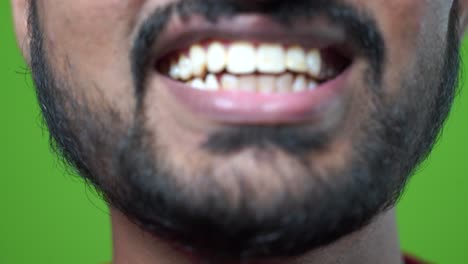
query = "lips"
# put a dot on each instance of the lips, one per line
(250, 70)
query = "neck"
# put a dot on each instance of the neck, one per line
(375, 243)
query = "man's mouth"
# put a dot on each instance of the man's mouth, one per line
(254, 73)
(267, 68)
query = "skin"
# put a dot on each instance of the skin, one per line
(89, 40)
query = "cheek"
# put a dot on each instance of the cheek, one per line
(401, 25)
(409, 28)
(88, 44)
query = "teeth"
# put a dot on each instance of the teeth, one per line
(296, 59)
(198, 58)
(267, 68)
(312, 85)
(248, 83)
(284, 83)
(229, 82)
(216, 57)
(314, 62)
(241, 58)
(198, 84)
(211, 82)
(270, 59)
(185, 68)
(300, 84)
(266, 84)
(174, 71)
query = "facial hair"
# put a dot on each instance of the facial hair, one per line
(133, 175)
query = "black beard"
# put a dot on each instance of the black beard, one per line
(122, 163)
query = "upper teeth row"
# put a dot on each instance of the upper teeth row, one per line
(245, 58)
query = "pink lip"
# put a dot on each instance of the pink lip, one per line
(240, 107)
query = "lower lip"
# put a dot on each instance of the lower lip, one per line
(240, 107)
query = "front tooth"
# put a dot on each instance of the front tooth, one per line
(211, 82)
(314, 63)
(296, 59)
(248, 83)
(241, 58)
(284, 83)
(216, 57)
(198, 57)
(229, 82)
(266, 84)
(185, 68)
(198, 83)
(271, 59)
(300, 84)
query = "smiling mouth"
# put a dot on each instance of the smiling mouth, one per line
(266, 68)
(253, 71)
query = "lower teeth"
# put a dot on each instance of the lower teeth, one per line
(285, 83)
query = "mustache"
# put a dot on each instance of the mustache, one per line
(361, 30)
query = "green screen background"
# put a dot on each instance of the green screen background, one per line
(48, 216)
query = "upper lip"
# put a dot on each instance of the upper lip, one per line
(180, 34)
